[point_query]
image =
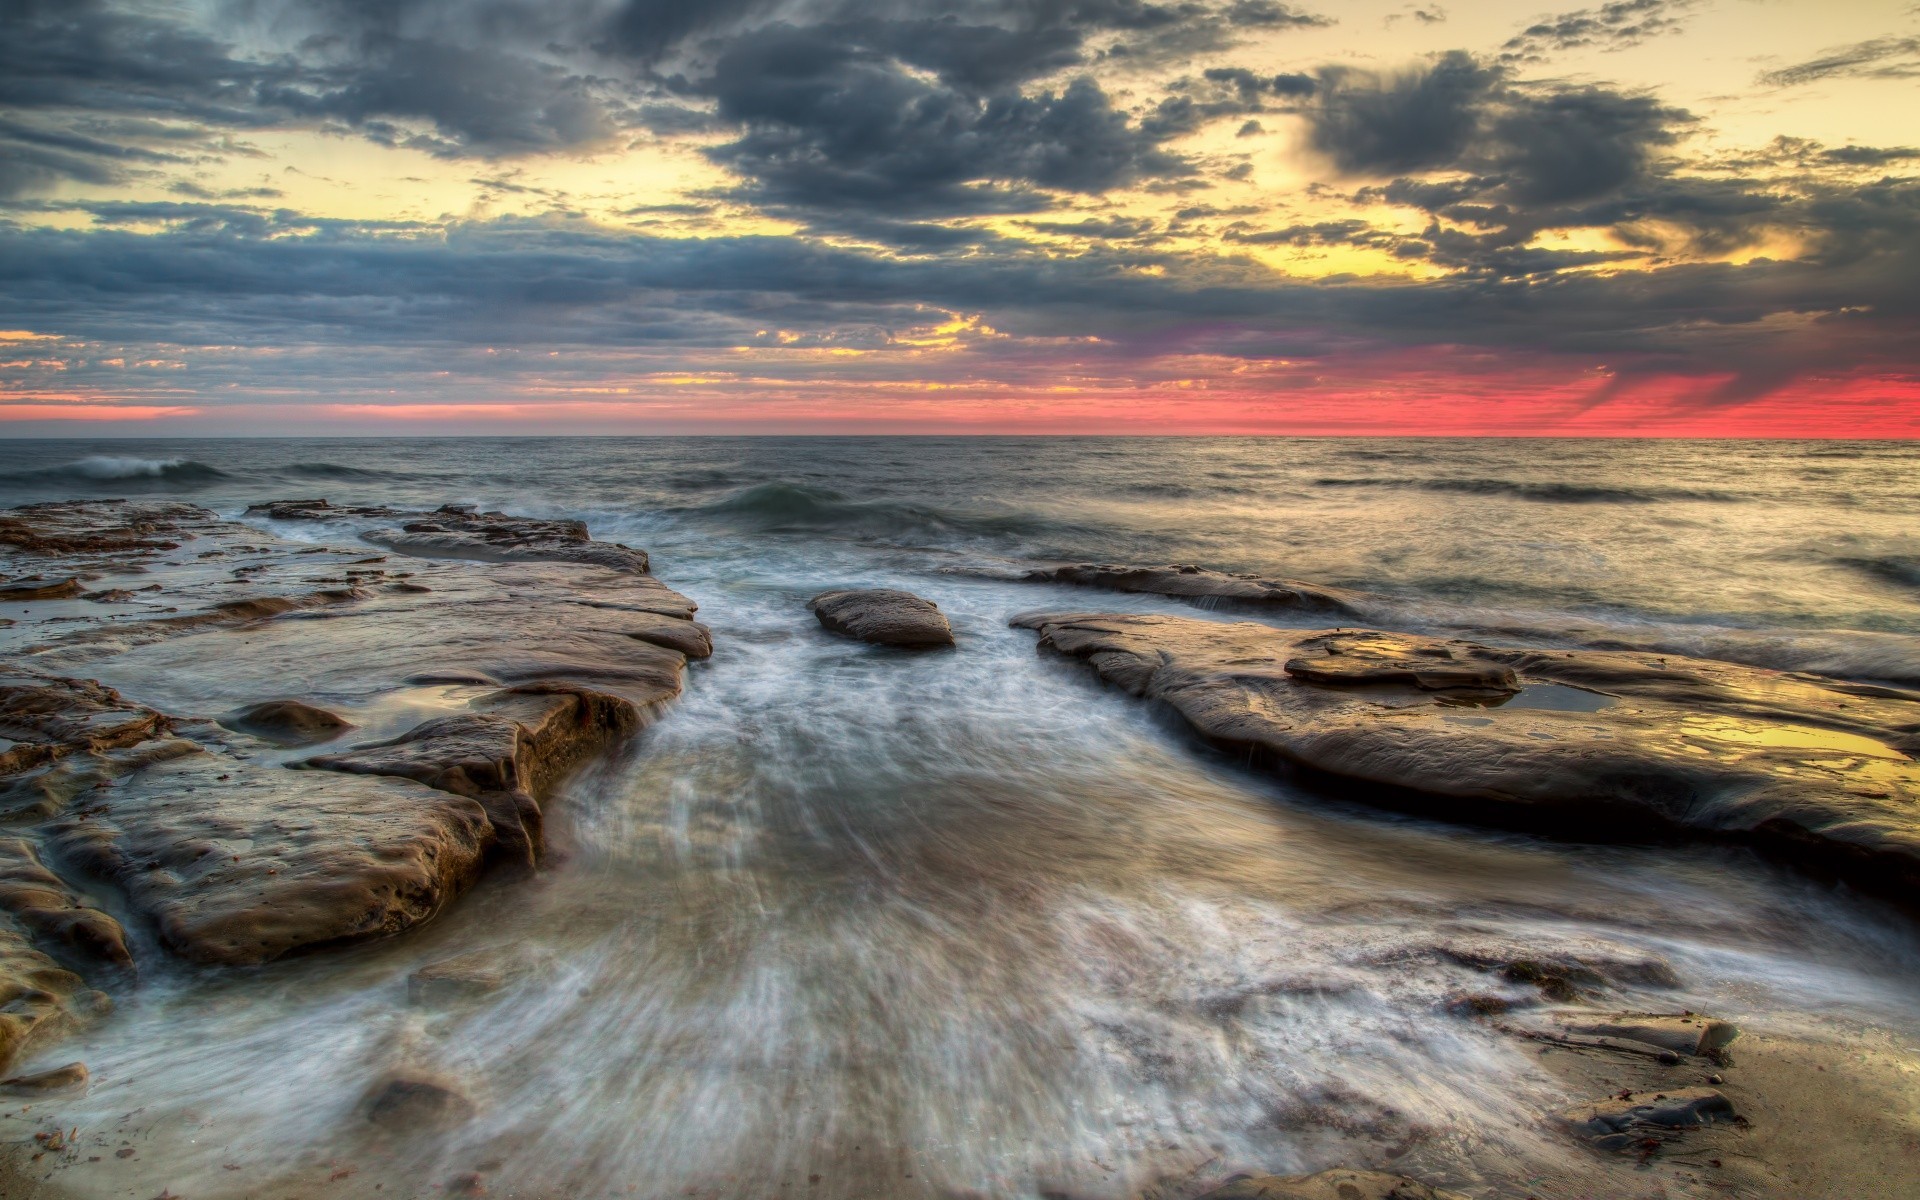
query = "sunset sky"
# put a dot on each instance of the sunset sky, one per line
(1654, 217)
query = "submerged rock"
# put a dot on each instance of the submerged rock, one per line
(1189, 582)
(1641, 1121)
(1591, 742)
(464, 977)
(65, 589)
(288, 722)
(1337, 1184)
(61, 1081)
(883, 616)
(408, 1103)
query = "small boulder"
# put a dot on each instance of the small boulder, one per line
(1684, 1033)
(1645, 1120)
(61, 1081)
(412, 1102)
(883, 616)
(288, 722)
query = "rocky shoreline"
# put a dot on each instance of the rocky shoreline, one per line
(211, 832)
(411, 690)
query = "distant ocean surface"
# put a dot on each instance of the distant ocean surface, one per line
(971, 923)
(1752, 536)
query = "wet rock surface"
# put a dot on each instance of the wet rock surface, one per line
(1188, 582)
(1338, 1184)
(883, 616)
(287, 722)
(457, 531)
(551, 650)
(1645, 1122)
(1610, 744)
(507, 754)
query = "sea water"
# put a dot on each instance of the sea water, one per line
(850, 922)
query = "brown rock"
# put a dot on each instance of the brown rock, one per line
(99, 526)
(509, 753)
(66, 589)
(456, 531)
(1621, 745)
(53, 913)
(1646, 1121)
(288, 722)
(237, 863)
(39, 1000)
(883, 616)
(1189, 582)
(65, 1080)
(50, 717)
(463, 977)
(407, 1103)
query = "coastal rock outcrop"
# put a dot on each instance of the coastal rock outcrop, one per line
(883, 616)
(237, 863)
(507, 753)
(1199, 584)
(230, 857)
(1337, 1184)
(1613, 744)
(457, 531)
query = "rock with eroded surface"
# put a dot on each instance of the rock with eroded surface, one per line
(883, 616)
(1188, 582)
(287, 722)
(1621, 745)
(508, 752)
(1646, 1121)
(457, 531)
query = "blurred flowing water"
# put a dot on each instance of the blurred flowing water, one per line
(848, 922)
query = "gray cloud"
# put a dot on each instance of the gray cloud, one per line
(1614, 26)
(1880, 58)
(833, 123)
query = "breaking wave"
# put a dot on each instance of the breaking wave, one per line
(112, 468)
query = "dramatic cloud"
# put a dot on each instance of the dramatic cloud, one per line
(1527, 144)
(296, 198)
(831, 122)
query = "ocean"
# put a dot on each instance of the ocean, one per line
(971, 923)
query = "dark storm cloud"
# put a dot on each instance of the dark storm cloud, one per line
(229, 275)
(1525, 144)
(506, 78)
(1614, 26)
(1880, 58)
(833, 123)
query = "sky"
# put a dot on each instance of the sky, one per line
(1641, 217)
